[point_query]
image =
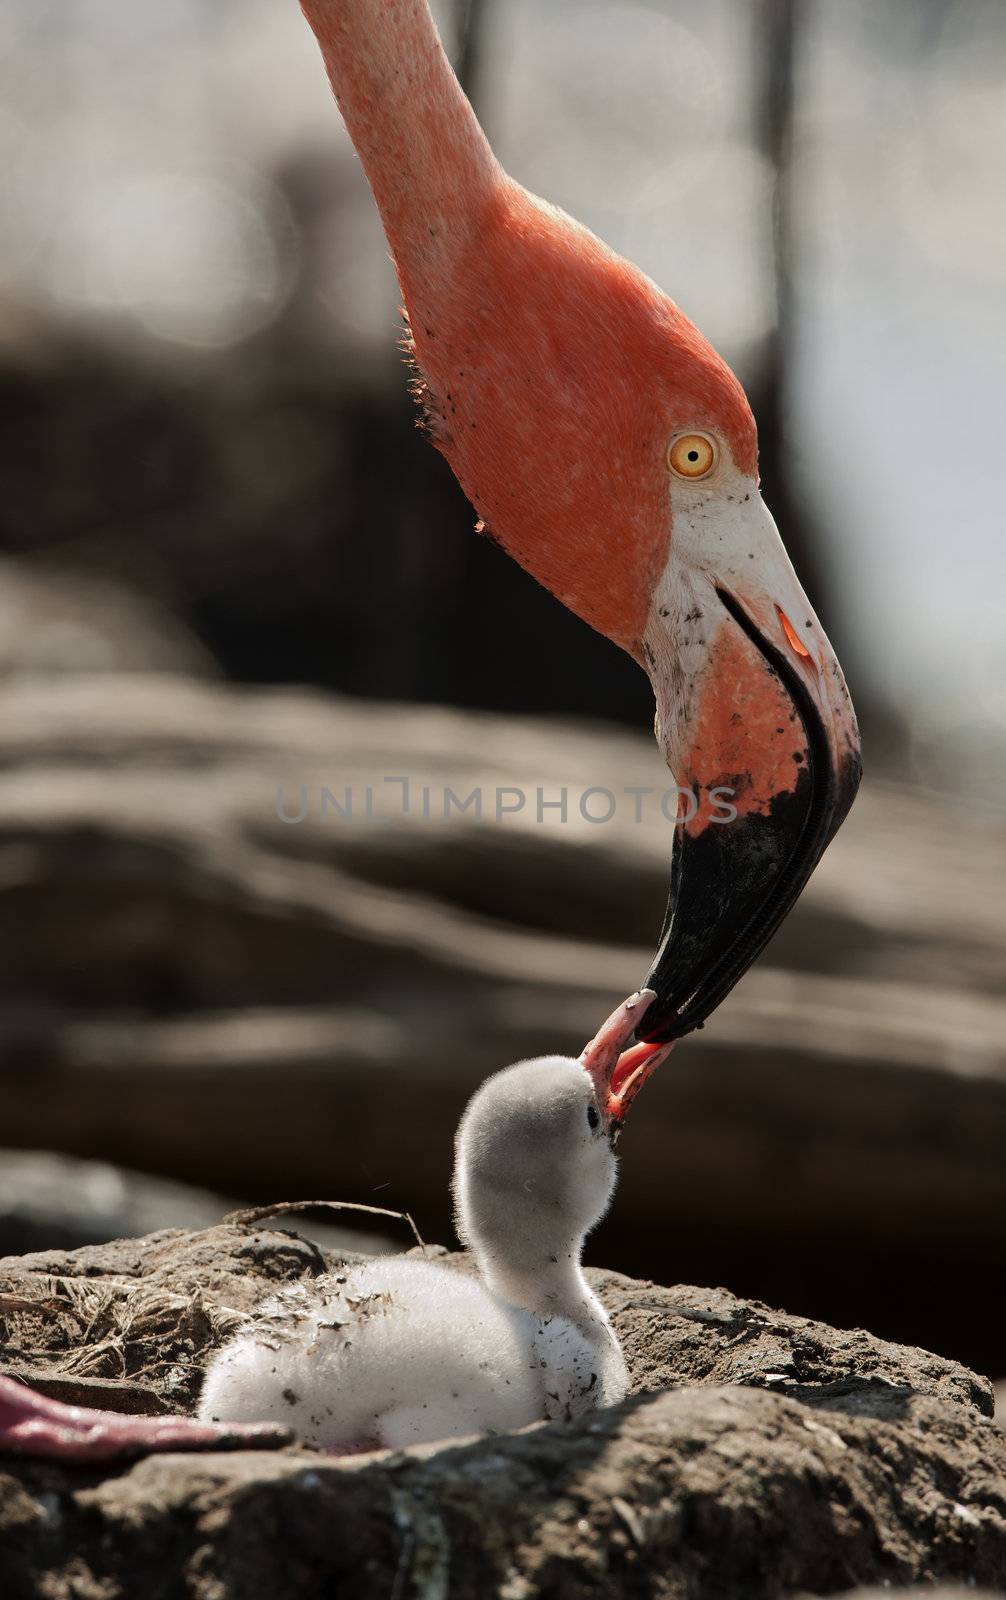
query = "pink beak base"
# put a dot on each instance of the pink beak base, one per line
(619, 1072)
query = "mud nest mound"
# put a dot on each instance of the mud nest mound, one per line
(758, 1454)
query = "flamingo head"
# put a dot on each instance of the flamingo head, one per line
(610, 450)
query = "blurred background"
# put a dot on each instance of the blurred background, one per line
(232, 575)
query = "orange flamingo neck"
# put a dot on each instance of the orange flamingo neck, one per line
(427, 160)
(552, 371)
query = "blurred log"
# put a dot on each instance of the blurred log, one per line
(48, 1200)
(924, 1592)
(192, 986)
(57, 620)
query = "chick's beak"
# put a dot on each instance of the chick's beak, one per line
(617, 1069)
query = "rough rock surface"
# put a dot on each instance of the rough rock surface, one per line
(759, 1455)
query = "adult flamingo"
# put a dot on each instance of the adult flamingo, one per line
(613, 454)
(609, 450)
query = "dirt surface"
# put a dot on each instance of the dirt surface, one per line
(759, 1454)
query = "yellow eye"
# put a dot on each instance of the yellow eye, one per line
(692, 455)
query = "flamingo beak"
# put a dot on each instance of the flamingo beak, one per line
(765, 748)
(619, 1070)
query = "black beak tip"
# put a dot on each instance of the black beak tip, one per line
(734, 882)
(731, 887)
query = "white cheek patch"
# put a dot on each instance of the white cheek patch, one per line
(722, 536)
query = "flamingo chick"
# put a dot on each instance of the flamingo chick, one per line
(401, 1352)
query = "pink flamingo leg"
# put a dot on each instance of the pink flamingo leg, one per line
(33, 1425)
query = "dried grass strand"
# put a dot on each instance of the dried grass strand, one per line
(279, 1208)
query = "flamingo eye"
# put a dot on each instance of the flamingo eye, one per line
(692, 455)
(593, 1117)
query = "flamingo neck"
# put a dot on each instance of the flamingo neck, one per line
(427, 160)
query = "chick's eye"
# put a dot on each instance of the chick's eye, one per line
(593, 1118)
(692, 455)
